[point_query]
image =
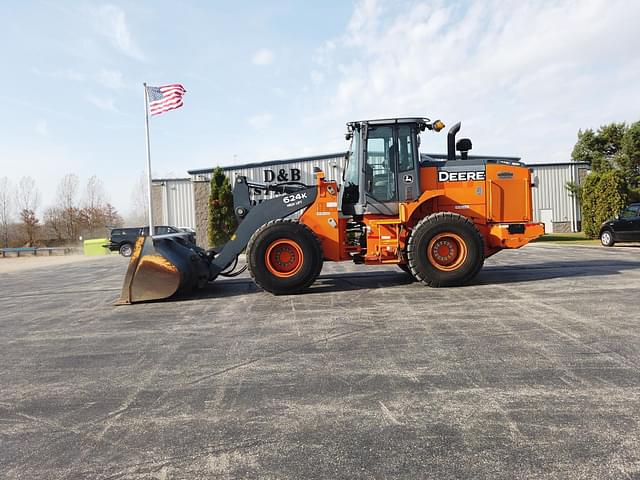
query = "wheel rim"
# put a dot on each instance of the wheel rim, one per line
(447, 251)
(606, 238)
(284, 258)
(126, 250)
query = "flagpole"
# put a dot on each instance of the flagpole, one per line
(146, 125)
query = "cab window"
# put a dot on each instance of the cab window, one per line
(406, 159)
(380, 164)
(351, 175)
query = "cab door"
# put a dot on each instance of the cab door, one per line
(408, 164)
(390, 168)
(380, 171)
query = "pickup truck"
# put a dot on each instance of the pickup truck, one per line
(123, 239)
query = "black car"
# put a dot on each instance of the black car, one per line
(624, 228)
(123, 239)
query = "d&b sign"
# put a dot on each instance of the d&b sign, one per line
(293, 175)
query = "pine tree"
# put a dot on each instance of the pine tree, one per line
(613, 152)
(222, 219)
(604, 195)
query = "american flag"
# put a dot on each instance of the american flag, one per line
(165, 98)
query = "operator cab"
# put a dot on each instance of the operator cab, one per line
(383, 165)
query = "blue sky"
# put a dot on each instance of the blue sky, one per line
(279, 79)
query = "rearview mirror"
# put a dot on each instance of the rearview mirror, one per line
(464, 145)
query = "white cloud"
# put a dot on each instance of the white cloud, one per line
(316, 77)
(364, 21)
(261, 120)
(523, 76)
(110, 78)
(323, 55)
(63, 73)
(111, 21)
(42, 128)
(103, 103)
(263, 57)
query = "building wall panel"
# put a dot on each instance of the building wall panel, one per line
(551, 193)
(184, 208)
(177, 202)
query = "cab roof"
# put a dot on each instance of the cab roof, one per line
(386, 121)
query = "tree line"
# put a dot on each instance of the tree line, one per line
(75, 213)
(613, 152)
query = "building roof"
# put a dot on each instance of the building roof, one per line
(443, 156)
(270, 162)
(556, 164)
(438, 156)
(179, 179)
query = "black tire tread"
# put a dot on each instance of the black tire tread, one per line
(406, 269)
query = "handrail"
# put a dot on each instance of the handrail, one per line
(34, 250)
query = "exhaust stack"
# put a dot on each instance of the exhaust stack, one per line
(451, 141)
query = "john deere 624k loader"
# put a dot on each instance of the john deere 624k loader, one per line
(437, 220)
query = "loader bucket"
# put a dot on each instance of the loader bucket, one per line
(160, 267)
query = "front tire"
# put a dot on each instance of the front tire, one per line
(445, 250)
(284, 257)
(606, 238)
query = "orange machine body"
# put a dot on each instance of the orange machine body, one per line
(497, 199)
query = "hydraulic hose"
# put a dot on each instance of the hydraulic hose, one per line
(229, 272)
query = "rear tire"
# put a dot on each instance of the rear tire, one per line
(445, 250)
(606, 238)
(126, 249)
(284, 257)
(405, 268)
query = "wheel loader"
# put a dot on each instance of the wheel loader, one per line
(436, 220)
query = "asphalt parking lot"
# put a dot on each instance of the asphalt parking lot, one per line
(533, 372)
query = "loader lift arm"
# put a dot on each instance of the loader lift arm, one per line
(161, 266)
(251, 217)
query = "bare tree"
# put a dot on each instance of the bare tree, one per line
(111, 216)
(28, 200)
(139, 209)
(54, 223)
(30, 224)
(6, 209)
(95, 202)
(94, 193)
(27, 195)
(67, 202)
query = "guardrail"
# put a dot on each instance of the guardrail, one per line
(34, 250)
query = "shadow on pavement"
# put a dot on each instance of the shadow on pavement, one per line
(546, 271)
(491, 275)
(334, 282)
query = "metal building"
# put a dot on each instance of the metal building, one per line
(274, 171)
(176, 200)
(553, 204)
(184, 201)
